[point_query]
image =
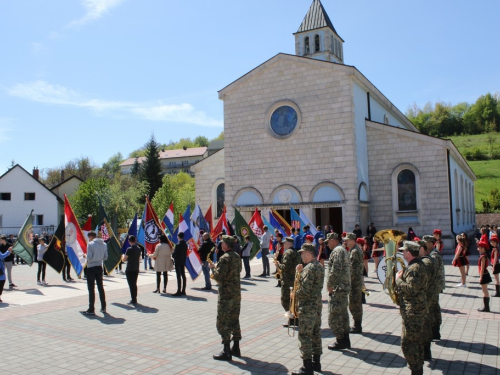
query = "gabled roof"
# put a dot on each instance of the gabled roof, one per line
(66, 180)
(316, 18)
(170, 154)
(29, 174)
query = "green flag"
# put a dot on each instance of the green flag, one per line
(24, 244)
(107, 234)
(242, 229)
(54, 256)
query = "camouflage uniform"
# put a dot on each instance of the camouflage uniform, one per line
(308, 295)
(339, 279)
(430, 267)
(291, 258)
(227, 274)
(355, 295)
(411, 288)
(435, 308)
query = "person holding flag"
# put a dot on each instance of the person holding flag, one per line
(132, 256)
(3, 255)
(97, 253)
(179, 255)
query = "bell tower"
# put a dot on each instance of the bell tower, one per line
(317, 38)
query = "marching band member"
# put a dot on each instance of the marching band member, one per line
(291, 258)
(435, 308)
(356, 294)
(432, 276)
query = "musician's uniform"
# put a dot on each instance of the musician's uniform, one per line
(434, 307)
(356, 293)
(291, 258)
(430, 267)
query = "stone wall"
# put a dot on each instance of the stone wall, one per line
(483, 219)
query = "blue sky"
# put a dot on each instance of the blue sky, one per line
(96, 77)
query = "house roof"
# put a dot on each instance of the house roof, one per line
(216, 145)
(316, 18)
(66, 180)
(170, 154)
(34, 179)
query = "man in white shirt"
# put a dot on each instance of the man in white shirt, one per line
(264, 246)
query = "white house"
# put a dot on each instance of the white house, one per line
(68, 187)
(21, 192)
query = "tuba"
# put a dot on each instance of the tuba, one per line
(293, 313)
(390, 239)
(209, 260)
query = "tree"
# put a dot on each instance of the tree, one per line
(220, 137)
(151, 170)
(179, 189)
(136, 169)
(82, 167)
(112, 167)
(84, 201)
(201, 141)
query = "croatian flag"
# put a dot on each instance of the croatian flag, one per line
(87, 228)
(168, 220)
(256, 223)
(193, 261)
(76, 246)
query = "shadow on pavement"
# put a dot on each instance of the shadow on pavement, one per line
(244, 282)
(31, 291)
(106, 319)
(474, 347)
(380, 359)
(213, 291)
(452, 312)
(463, 295)
(196, 299)
(262, 280)
(386, 338)
(463, 367)
(380, 306)
(138, 307)
(257, 366)
(61, 286)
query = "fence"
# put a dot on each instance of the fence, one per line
(37, 229)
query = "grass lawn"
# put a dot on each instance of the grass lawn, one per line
(488, 177)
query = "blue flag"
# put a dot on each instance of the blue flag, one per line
(276, 225)
(140, 233)
(297, 222)
(132, 231)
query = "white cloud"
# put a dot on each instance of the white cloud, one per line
(95, 9)
(44, 92)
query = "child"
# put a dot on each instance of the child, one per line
(460, 260)
(375, 254)
(322, 251)
(439, 242)
(484, 275)
(495, 263)
(365, 246)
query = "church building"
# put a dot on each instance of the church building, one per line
(311, 132)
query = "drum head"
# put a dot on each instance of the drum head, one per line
(382, 268)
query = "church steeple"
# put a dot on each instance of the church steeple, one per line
(317, 38)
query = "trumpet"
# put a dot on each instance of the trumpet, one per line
(366, 292)
(209, 260)
(293, 313)
(278, 274)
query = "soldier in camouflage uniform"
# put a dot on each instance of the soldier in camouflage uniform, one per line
(308, 295)
(356, 293)
(338, 283)
(430, 267)
(411, 284)
(435, 308)
(291, 258)
(227, 274)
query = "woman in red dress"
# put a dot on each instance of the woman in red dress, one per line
(376, 255)
(439, 242)
(322, 251)
(484, 275)
(364, 243)
(495, 263)
(460, 260)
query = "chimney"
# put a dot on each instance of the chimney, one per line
(36, 173)
(184, 148)
(62, 175)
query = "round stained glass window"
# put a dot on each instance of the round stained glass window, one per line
(283, 120)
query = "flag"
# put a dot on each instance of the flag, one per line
(221, 225)
(242, 229)
(108, 236)
(87, 228)
(53, 256)
(306, 220)
(76, 246)
(132, 231)
(140, 231)
(208, 219)
(282, 222)
(269, 226)
(152, 228)
(276, 225)
(193, 261)
(198, 223)
(168, 220)
(23, 248)
(297, 222)
(256, 223)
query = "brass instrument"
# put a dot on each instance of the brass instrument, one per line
(391, 239)
(278, 274)
(366, 292)
(209, 260)
(293, 313)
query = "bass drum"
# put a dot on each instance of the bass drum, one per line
(382, 268)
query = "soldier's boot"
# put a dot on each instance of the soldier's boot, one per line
(486, 307)
(497, 294)
(427, 352)
(417, 372)
(225, 355)
(317, 363)
(235, 350)
(357, 327)
(436, 335)
(363, 299)
(289, 323)
(306, 369)
(339, 344)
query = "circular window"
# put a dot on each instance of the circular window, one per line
(284, 120)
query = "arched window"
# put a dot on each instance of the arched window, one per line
(316, 43)
(407, 191)
(221, 198)
(306, 48)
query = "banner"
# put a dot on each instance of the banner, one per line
(242, 229)
(24, 244)
(152, 228)
(54, 256)
(108, 236)
(76, 246)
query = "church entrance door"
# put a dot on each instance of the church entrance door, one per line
(330, 216)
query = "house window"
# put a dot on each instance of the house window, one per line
(221, 198)
(4, 196)
(37, 219)
(407, 191)
(316, 43)
(306, 49)
(386, 120)
(29, 196)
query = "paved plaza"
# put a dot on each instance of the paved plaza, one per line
(43, 332)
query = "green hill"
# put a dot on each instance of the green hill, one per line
(487, 171)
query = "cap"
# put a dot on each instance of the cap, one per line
(428, 238)
(308, 247)
(360, 241)
(411, 246)
(289, 239)
(483, 244)
(332, 236)
(2, 237)
(493, 237)
(349, 236)
(437, 231)
(422, 243)
(228, 240)
(309, 238)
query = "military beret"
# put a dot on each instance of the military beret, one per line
(308, 247)
(289, 239)
(349, 236)
(411, 246)
(228, 240)
(428, 238)
(332, 236)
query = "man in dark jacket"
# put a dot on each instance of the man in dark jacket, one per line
(204, 251)
(179, 255)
